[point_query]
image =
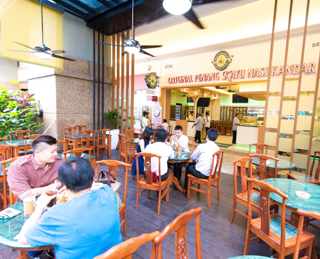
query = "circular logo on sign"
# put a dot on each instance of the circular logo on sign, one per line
(152, 80)
(221, 60)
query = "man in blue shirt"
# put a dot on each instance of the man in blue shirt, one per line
(85, 226)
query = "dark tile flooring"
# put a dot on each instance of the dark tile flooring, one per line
(219, 238)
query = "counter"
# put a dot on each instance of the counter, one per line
(249, 134)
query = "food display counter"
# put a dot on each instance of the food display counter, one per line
(250, 130)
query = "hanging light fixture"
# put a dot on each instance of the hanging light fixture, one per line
(177, 7)
(43, 55)
(132, 49)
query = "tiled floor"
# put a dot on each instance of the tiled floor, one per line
(219, 238)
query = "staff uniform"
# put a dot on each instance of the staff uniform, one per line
(166, 152)
(83, 227)
(207, 121)
(199, 125)
(144, 123)
(165, 126)
(190, 118)
(234, 130)
(202, 168)
(184, 141)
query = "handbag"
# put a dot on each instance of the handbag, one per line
(154, 177)
(105, 178)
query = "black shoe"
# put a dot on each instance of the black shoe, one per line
(50, 253)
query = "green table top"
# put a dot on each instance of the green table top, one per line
(78, 136)
(180, 156)
(282, 164)
(289, 187)
(17, 142)
(72, 155)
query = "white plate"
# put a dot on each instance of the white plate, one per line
(302, 195)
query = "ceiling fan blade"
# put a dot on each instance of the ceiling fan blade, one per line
(191, 16)
(24, 45)
(22, 50)
(57, 51)
(105, 43)
(146, 53)
(56, 56)
(150, 46)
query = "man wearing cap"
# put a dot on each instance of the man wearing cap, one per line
(144, 120)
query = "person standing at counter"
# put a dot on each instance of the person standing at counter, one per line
(207, 120)
(236, 122)
(165, 125)
(191, 118)
(144, 120)
(199, 125)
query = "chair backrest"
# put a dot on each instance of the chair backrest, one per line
(193, 141)
(147, 165)
(215, 171)
(8, 151)
(179, 226)
(261, 148)
(243, 162)
(265, 190)
(19, 133)
(316, 157)
(5, 165)
(263, 165)
(129, 150)
(169, 129)
(102, 135)
(26, 138)
(112, 169)
(159, 127)
(79, 129)
(88, 137)
(4, 140)
(64, 143)
(125, 249)
(77, 152)
(69, 131)
(128, 133)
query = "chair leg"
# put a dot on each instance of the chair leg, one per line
(209, 196)
(125, 222)
(233, 210)
(218, 189)
(159, 202)
(167, 195)
(188, 191)
(109, 152)
(137, 199)
(246, 245)
(98, 153)
(149, 194)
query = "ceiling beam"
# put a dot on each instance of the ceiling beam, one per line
(105, 3)
(83, 6)
(72, 8)
(52, 5)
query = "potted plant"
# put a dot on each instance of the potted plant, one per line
(111, 120)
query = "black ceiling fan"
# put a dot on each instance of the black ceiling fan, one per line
(190, 15)
(131, 45)
(42, 50)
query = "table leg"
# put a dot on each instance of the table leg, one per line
(22, 255)
(174, 180)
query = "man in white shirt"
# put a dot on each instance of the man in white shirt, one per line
(165, 125)
(144, 120)
(181, 141)
(207, 120)
(160, 148)
(199, 125)
(202, 157)
(236, 122)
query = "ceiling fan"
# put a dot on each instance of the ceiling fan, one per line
(180, 7)
(220, 87)
(133, 46)
(42, 51)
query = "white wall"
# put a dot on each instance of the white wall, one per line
(8, 70)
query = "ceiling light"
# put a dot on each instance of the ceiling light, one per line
(43, 55)
(177, 7)
(132, 50)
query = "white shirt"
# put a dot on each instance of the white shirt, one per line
(165, 126)
(235, 120)
(144, 123)
(184, 141)
(160, 149)
(199, 123)
(207, 121)
(204, 152)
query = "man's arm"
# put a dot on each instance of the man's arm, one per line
(39, 190)
(196, 153)
(42, 202)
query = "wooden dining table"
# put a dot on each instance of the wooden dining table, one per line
(283, 165)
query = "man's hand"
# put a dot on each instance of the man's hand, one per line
(44, 200)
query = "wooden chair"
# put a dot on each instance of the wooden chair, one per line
(169, 130)
(242, 197)
(308, 177)
(126, 149)
(4, 195)
(128, 133)
(266, 227)
(192, 141)
(159, 127)
(19, 133)
(4, 140)
(102, 136)
(214, 177)
(79, 152)
(113, 165)
(146, 182)
(261, 148)
(88, 140)
(179, 226)
(64, 145)
(69, 131)
(28, 148)
(125, 249)
(262, 168)
(78, 129)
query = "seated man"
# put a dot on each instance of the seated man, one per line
(181, 141)
(33, 174)
(163, 149)
(85, 226)
(202, 157)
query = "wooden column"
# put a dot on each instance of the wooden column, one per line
(127, 84)
(167, 104)
(118, 73)
(122, 86)
(132, 84)
(195, 100)
(113, 71)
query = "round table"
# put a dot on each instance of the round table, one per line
(9, 228)
(271, 164)
(181, 157)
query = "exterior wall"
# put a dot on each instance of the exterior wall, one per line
(8, 71)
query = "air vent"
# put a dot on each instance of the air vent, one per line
(151, 92)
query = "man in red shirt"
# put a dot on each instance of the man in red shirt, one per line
(33, 174)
